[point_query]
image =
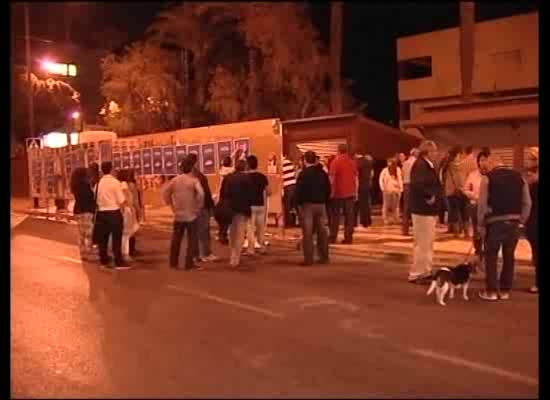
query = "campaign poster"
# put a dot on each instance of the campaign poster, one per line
(208, 158)
(147, 160)
(126, 160)
(181, 152)
(225, 149)
(157, 161)
(91, 155)
(117, 161)
(195, 149)
(243, 145)
(78, 156)
(169, 160)
(136, 159)
(105, 151)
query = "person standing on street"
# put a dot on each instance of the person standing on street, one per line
(110, 201)
(204, 251)
(129, 215)
(289, 189)
(225, 170)
(425, 197)
(84, 208)
(343, 180)
(236, 192)
(532, 226)
(471, 190)
(406, 210)
(391, 185)
(138, 206)
(455, 176)
(260, 190)
(185, 196)
(312, 196)
(365, 173)
(504, 205)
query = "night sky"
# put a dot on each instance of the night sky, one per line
(370, 30)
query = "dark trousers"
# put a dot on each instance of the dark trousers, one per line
(203, 234)
(109, 223)
(472, 214)
(362, 208)
(505, 235)
(132, 245)
(314, 221)
(457, 213)
(177, 237)
(289, 204)
(406, 214)
(337, 207)
(533, 238)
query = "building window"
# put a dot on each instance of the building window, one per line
(415, 68)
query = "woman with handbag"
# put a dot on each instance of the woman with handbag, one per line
(84, 209)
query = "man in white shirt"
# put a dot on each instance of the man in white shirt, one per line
(110, 200)
(407, 167)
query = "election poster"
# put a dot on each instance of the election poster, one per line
(105, 151)
(224, 150)
(157, 161)
(126, 160)
(147, 161)
(91, 156)
(208, 158)
(195, 149)
(117, 161)
(243, 145)
(169, 160)
(181, 152)
(136, 160)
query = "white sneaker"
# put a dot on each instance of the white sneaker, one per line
(257, 245)
(245, 244)
(504, 296)
(210, 258)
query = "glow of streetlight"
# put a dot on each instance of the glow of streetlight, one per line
(63, 69)
(75, 115)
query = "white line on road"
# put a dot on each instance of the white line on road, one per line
(514, 376)
(233, 303)
(70, 259)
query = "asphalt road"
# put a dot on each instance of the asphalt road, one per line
(351, 329)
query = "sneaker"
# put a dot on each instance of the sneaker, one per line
(533, 289)
(245, 244)
(487, 296)
(211, 258)
(257, 245)
(504, 295)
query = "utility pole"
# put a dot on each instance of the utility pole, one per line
(336, 55)
(29, 82)
(467, 45)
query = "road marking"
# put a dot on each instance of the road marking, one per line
(315, 301)
(229, 302)
(70, 259)
(514, 376)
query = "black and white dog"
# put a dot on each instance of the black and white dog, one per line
(448, 279)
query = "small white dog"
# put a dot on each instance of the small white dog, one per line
(448, 279)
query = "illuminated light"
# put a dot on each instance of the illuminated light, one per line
(74, 138)
(63, 69)
(55, 140)
(72, 70)
(75, 115)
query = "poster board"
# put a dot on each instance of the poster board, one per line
(208, 157)
(169, 160)
(137, 163)
(225, 149)
(157, 161)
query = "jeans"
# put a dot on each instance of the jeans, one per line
(362, 209)
(457, 213)
(503, 235)
(289, 204)
(423, 247)
(337, 207)
(109, 223)
(390, 207)
(236, 238)
(203, 233)
(85, 230)
(177, 236)
(256, 229)
(406, 213)
(314, 220)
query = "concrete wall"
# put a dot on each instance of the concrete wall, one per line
(505, 58)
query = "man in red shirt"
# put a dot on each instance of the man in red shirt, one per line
(343, 179)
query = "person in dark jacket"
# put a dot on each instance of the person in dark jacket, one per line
(365, 173)
(204, 251)
(504, 205)
(236, 192)
(424, 201)
(84, 209)
(312, 196)
(532, 225)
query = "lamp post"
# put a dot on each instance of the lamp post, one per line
(28, 57)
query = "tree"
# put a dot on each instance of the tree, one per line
(142, 83)
(227, 97)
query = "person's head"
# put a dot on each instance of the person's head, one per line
(482, 161)
(428, 150)
(106, 167)
(414, 152)
(401, 157)
(468, 150)
(532, 160)
(193, 158)
(93, 172)
(486, 149)
(310, 158)
(123, 175)
(240, 166)
(79, 178)
(187, 164)
(343, 148)
(227, 162)
(454, 153)
(252, 162)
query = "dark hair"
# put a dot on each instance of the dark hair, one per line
(227, 162)
(193, 158)
(469, 149)
(132, 175)
(106, 167)
(486, 150)
(240, 165)
(123, 175)
(310, 157)
(342, 148)
(252, 161)
(482, 154)
(93, 173)
(187, 164)
(455, 151)
(79, 178)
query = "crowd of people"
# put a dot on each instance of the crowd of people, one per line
(475, 195)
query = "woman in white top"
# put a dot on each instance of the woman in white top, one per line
(391, 185)
(129, 214)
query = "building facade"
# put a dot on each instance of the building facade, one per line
(502, 110)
